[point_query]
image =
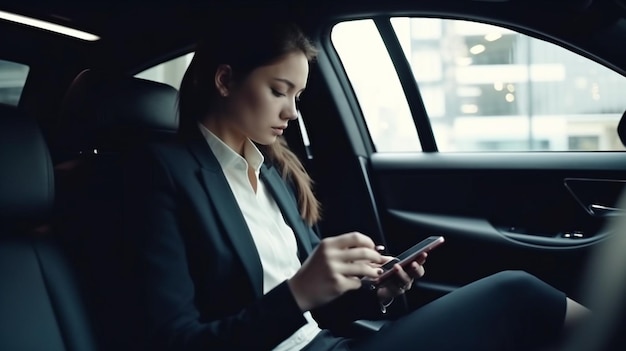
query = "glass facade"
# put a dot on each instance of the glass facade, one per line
(505, 91)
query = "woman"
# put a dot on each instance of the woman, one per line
(221, 223)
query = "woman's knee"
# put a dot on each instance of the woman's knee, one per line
(516, 283)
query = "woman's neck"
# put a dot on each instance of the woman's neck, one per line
(226, 133)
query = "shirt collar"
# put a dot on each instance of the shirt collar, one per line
(229, 158)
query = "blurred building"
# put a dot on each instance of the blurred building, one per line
(487, 88)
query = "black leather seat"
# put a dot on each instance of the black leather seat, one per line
(104, 117)
(112, 112)
(40, 303)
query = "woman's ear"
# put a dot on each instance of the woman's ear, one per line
(223, 79)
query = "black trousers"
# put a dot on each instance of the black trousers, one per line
(511, 310)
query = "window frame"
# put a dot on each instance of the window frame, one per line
(411, 89)
(410, 85)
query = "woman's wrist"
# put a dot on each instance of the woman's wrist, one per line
(384, 300)
(302, 301)
(384, 304)
(384, 295)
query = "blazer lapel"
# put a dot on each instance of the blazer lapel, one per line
(288, 206)
(225, 204)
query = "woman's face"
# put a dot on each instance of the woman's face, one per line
(260, 106)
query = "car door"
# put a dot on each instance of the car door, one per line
(502, 142)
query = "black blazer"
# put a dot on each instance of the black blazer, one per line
(199, 272)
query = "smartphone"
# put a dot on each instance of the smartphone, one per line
(408, 256)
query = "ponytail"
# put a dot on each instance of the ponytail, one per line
(292, 170)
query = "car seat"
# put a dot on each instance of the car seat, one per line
(104, 117)
(41, 305)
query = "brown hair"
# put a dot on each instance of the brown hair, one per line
(252, 43)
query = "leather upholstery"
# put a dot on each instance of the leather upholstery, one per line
(26, 177)
(40, 303)
(107, 112)
(114, 114)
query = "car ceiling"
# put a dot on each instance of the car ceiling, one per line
(136, 34)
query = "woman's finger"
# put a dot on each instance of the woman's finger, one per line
(415, 270)
(402, 277)
(357, 269)
(359, 254)
(349, 240)
(421, 259)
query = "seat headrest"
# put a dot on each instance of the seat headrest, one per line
(621, 129)
(110, 111)
(26, 175)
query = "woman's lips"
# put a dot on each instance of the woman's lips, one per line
(278, 130)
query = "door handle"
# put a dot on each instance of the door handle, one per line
(600, 210)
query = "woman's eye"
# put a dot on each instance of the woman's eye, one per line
(277, 93)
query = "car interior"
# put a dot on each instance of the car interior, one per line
(397, 151)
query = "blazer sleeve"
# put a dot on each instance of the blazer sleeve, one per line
(356, 304)
(174, 322)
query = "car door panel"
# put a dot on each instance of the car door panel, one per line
(497, 211)
(598, 197)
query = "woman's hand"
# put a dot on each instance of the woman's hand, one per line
(335, 266)
(402, 280)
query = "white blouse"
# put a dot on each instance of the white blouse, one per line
(275, 241)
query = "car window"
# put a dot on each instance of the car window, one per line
(488, 88)
(12, 79)
(376, 86)
(170, 72)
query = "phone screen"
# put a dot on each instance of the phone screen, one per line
(417, 247)
(410, 255)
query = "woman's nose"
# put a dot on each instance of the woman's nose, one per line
(291, 111)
